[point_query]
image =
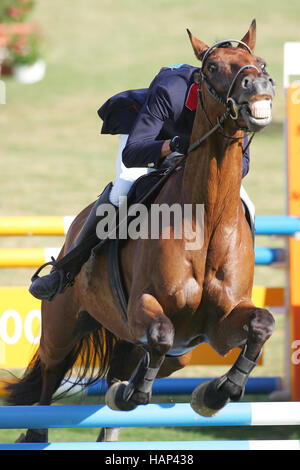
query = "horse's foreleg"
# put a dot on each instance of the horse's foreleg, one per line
(152, 328)
(124, 361)
(172, 364)
(256, 326)
(160, 336)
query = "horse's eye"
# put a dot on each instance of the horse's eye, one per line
(263, 66)
(212, 67)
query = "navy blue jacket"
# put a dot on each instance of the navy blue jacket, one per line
(152, 115)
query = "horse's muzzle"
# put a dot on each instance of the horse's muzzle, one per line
(254, 105)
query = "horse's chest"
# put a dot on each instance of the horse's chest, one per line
(220, 288)
(188, 295)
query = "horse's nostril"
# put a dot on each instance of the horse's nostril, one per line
(245, 83)
(272, 81)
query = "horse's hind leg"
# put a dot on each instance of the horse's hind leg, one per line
(50, 364)
(150, 326)
(246, 325)
(51, 379)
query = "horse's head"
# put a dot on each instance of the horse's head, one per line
(234, 78)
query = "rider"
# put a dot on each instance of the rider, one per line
(153, 124)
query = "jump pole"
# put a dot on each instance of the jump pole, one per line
(292, 151)
(156, 415)
(153, 415)
(35, 257)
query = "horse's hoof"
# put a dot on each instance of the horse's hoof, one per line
(198, 401)
(33, 435)
(21, 438)
(109, 435)
(114, 398)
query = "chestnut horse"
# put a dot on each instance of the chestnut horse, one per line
(177, 297)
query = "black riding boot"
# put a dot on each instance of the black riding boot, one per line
(66, 269)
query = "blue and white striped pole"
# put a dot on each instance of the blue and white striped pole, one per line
(178, 414)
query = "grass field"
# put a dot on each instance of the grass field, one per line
(53, 160)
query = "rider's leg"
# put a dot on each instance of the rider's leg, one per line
(125, 177)
(249, 209)
(66, 269)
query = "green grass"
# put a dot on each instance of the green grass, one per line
(53, 160)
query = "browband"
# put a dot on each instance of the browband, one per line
(226, 102)
(219, 43)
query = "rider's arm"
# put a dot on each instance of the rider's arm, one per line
(144, 147)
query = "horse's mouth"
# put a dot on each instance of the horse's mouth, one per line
(257, 112)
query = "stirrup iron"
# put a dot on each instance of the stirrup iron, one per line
(64, 278)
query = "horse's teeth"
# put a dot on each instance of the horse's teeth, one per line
(260, 109)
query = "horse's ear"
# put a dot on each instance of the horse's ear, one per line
(198, 46)
(250, 36)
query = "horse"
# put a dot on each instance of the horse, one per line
(178, 297)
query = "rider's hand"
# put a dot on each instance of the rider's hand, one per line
(179, 144)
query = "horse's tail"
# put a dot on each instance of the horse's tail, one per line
(87, 362)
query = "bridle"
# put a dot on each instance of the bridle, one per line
(229, 100)
(232, 108)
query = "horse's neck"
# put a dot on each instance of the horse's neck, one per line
(212, 174)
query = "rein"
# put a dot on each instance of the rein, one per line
(199, 141)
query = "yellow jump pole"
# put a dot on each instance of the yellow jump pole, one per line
(26, 257)
(52, 225)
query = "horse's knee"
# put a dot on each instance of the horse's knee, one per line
(160, 335)
(261, 326)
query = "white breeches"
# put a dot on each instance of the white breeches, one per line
(244, 196)
(125, 177)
